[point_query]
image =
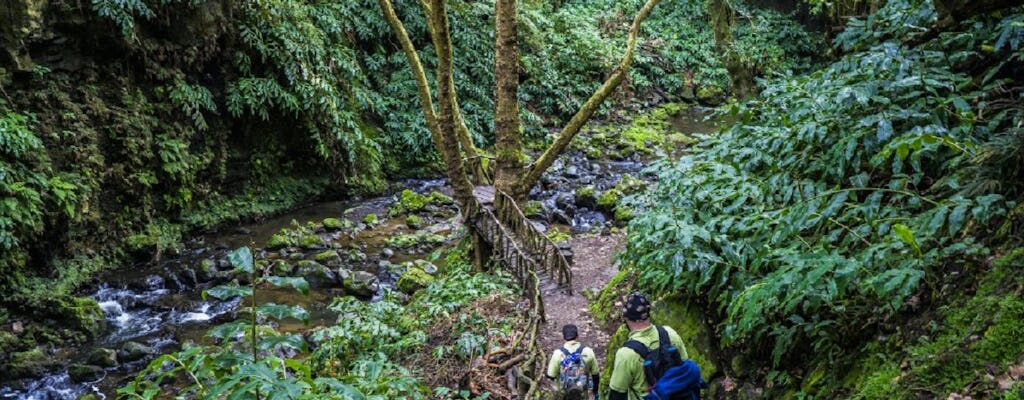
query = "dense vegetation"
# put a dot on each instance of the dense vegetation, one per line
(847, 200)
(202, 112)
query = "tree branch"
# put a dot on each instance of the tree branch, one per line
(576, 123)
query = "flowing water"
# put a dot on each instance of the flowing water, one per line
(160, 305)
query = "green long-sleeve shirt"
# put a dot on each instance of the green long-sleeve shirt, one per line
(628, 371)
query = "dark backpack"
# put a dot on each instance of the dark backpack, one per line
(667, 376)
(574, 373)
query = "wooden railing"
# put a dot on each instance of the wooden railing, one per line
(547, 255)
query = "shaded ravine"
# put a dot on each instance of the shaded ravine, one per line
(160, 305)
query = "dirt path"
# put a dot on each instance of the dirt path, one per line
(592, 269)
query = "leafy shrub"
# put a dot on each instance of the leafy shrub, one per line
(832, 202)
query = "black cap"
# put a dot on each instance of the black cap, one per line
(569, 332)
(637, 307)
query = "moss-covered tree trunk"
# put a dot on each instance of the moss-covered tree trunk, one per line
(507, 136)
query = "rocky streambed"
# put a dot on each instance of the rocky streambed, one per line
(345, 248)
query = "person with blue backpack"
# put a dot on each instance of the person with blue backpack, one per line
(574, 366)
(652, 364)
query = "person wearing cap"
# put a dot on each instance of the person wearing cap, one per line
(570, 333)
(627, 380)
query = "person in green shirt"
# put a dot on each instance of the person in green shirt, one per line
(570, 333)
(627, 381)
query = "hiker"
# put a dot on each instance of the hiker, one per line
(652, 359)
(574, 365)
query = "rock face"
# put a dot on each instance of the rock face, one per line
(19, 20)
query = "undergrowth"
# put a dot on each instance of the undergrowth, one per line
(840, 201)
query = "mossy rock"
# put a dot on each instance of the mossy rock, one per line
(371, 220)
(605, 309)
(85, 315)
(79, 373)
(686, 319)
(29, 363)
(413, 240)
(586, 197)
(311, 242)
(315, 273)
(88, 396)
(534, 209)
(440, 199)
(711, 95)
(134, 351)
(103, 357)
(628, 184)
(278, 241)
(359, 283)
(282, 268)
(336, 224)
(410, 201)
(609, 200)
(623, 214)
(414, 222)
(414, 279)
(327, 257)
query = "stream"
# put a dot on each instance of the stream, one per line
(152, 308)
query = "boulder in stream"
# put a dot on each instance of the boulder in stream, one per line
(29, 363)
(134, 351)
(102, 357)
(84, 373)
(315, 273)
(359, 283)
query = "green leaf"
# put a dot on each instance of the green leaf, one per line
(225, 292)
(906, 235)
(281, 311)
(293, 341)
(241, 259)
(299, 283)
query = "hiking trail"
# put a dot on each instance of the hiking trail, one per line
(593, 268)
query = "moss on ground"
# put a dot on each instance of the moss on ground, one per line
(971, 335)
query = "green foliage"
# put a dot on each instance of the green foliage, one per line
(832, 201)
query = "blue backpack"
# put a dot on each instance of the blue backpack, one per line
(666, 374)
(574, 373)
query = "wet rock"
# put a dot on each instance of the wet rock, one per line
(85, 314)
(328, 257)
(335, 224)
(243, 231)
(565, 202)
(360, 283)
(608, 200)
(84, 373)
(560, 217)
(387, 253)
(586, 197)
(315, 273)
(88, 396)
(282, 268)
(134, 351)
(355, 255)
(414, 222)
(426, 266)
(296, 256)
(311, 242)
(29, 363)
(414, 279)
(278, 241)
(534, 210)
(207, 269)
(628, 184)
(572, 172)
(103, 357)
(383, 265)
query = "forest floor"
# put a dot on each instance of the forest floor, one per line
(593, 267)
